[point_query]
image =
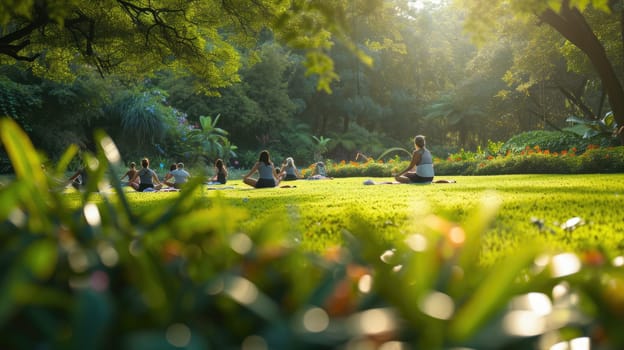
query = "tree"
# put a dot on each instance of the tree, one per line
(568, 17)
(137, 37)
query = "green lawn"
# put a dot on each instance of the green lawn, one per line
(318, 211)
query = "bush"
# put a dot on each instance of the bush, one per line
(536, 161)
(602, 160)
(555, 141)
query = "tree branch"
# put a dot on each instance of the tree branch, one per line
(577, 102)
(8, 48)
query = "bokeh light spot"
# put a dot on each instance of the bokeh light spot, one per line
(538, 303)
(365, 283)
(178, 335)
(315, 320)
(523, 323)
(457, 236)
(565, 264)
(392, 345)
(110, 150)
(17, 217)
(78, 261)
(241, 243)
(242, 291)
(108, 254)
(374, 321)
(387, 256)
(581, 343)
(254, 342)
(438, 305)
(92, 214)
(417, 242)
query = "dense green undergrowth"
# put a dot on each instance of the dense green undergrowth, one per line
(592, 160)
(500, 262)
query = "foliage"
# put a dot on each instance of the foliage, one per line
(320, 146)
(535, 160)
(194, 38)
(572, 20)
(530, 160)
(605, 127)
(142, 117)
(210, 142)
(554, 141)
(89, 270)
(17, 100)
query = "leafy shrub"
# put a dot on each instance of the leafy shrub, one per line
(555, 141)
(370, 168)
(602, 160)
(594, 160)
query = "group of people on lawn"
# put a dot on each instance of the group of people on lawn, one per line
(147, 179)
(420, 170)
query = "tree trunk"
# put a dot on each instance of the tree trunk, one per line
(573, 26)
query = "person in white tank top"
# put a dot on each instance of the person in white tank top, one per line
(420, 169)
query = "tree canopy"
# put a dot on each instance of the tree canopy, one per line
(571, 18)
(136, 37)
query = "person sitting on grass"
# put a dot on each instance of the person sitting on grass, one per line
(221, 173)
(319, 172)
(130, 175)
(180, 176)
(422, 161)
(169, 175)
(289, 170)
(147, 178)
(79, 179)
(266, 172)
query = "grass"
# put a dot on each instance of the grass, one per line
(531, 207)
